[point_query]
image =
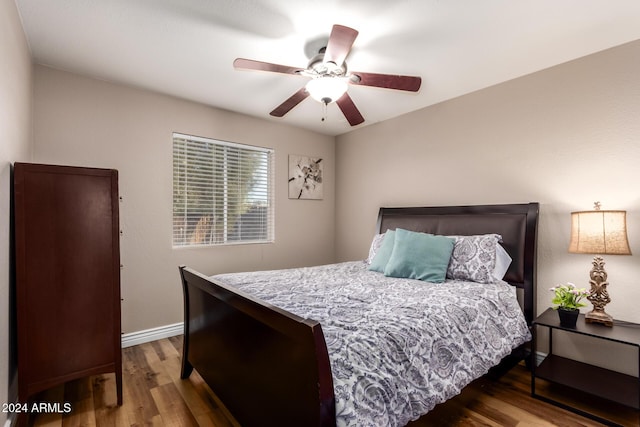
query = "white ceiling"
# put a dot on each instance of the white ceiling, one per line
(186, 48)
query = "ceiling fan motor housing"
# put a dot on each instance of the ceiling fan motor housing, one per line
(318, 67)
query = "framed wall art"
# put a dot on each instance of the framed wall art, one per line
(305, 177)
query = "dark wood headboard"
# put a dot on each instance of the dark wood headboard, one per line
(516, 223)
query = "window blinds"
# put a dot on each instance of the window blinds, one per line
(222, 192)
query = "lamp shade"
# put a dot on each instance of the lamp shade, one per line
(599, 232)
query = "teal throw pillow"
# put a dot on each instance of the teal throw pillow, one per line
(384, 253)
(419, 256)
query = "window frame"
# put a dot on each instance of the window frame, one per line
(182, 238)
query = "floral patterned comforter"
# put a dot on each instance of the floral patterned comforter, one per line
(397, 347)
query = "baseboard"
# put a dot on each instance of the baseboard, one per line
(153, 334)
(131, 339)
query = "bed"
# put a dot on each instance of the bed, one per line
(287, 366)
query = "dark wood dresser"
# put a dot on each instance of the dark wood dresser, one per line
(67, 275)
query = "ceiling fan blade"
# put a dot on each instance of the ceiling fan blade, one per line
(387, 81)
(291, 102)
(339, 44)
(250, 64)
(350, 110)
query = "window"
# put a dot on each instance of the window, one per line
(222, 192)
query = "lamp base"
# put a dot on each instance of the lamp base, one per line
(595, 316)
(599, 296)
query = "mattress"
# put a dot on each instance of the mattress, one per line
(397, 347)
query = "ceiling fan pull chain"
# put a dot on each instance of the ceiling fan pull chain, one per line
(324, 111)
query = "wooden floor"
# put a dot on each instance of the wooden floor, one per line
(155, 395)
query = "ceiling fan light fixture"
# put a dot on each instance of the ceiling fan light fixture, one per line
(326, 89)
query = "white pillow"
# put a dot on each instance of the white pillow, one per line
(375, 245)
(503, 261)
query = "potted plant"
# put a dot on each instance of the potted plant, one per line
(567, 299)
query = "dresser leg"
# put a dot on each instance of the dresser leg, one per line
(119, 385)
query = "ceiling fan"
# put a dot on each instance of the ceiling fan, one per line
(330, 77)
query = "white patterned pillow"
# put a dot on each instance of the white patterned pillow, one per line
(474, 258)
(375, 245)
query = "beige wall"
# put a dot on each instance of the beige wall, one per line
(82, 121)
(15, 145)
(565, 137)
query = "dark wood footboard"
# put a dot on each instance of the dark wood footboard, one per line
(267, 365)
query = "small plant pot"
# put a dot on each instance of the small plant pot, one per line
(568, 317)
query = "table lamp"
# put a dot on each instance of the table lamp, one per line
(599, 232)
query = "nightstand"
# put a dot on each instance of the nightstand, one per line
(593, 380)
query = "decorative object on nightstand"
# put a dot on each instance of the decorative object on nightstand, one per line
(599, 232)
(567, 299)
